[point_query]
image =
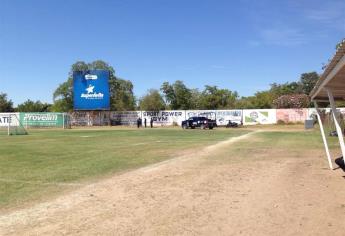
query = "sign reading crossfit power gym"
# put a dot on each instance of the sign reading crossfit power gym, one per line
(91, 90)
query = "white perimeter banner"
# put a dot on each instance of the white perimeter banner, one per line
(124, 117)
(223, 116)
(164, 118)
(81, 118)
(5, 119)
(211, 114)
(259, 116)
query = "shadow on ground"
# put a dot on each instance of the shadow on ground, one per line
(340, 162)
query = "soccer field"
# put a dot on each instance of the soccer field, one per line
(216, 182)
(50, 161)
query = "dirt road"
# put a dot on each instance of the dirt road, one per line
(196, 195)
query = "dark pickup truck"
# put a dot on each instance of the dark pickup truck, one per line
(201, 122)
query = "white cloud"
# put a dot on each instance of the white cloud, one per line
(282, 36)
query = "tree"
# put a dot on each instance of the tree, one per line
(121, 91)
(177, 95)
(195, 96)
(5, 104)
(308, 81)
(292, 101)
(263, 99)
(31, 106)
(214, 98)
(122, 98)
(152, 101)
(286, 88)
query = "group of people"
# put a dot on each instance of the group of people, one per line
(140, 122)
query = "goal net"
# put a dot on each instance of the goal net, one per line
(11, 125)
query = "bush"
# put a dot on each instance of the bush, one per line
(292, 101)
(280, 122)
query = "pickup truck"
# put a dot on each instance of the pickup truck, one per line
(201, 122)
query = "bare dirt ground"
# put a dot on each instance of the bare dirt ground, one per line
(195, 195)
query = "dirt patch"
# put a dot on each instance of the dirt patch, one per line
(191, 195)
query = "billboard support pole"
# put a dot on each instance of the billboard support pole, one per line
(63, 120)
(8, 124)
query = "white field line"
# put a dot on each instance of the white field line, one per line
(65, 202)
(205, 151)
(202, 152)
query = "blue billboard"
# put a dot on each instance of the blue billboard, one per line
(91, 90)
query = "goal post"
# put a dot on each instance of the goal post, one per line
(10, 124)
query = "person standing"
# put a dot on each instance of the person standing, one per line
(151, 122)
(145, 122)
(138, 122)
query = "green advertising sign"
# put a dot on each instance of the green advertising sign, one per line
(42, 119)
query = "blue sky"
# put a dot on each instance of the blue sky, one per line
(242, 45)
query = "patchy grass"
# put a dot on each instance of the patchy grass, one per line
(277, 144)
(46, 162)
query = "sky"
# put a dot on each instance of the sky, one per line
(242, 45)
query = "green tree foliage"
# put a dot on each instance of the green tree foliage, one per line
(263, 99)
(308, 81)
(177, 95)
(152, 101)
(121, 91)
(122, 96)
(31, 106)
(6, 105)
(286, 88)
(214, 98)
(292, 101)
(195, 97)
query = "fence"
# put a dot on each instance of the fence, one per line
(38, 119)
(161, 118)
(175, 117)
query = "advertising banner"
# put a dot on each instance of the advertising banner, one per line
(124, 117)
(223, 116)
(164, 118)
(292, 115)
(5, 119)
(81, 118)
(259, 116)
(91, 90)
(210, 114)
(42, 119)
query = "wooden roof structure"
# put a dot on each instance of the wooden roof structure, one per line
(333, 78)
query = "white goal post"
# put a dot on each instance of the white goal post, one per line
(10, 124)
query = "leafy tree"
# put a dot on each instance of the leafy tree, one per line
(245, 103)
(263, 99)
(286, 88)
(152, 101)
(292, 101)
(195, 96)
(122, 98)
(63, 97)
(177, 95)
(121, 91)
(6, 105)
(308, 81)
(31, 106)
(214, 98)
